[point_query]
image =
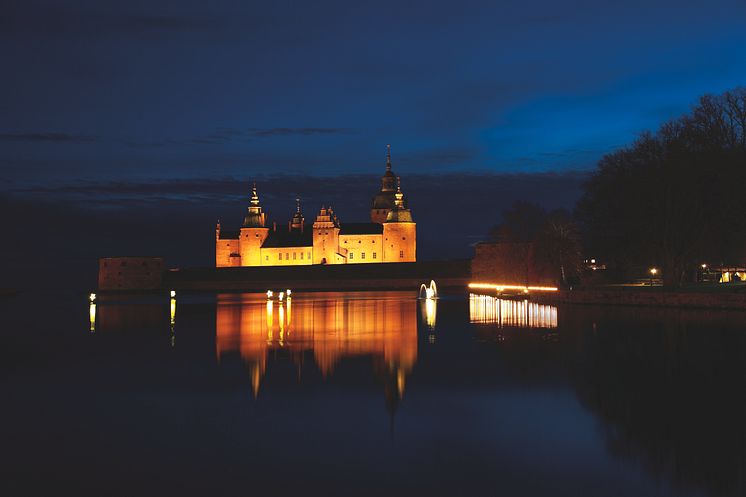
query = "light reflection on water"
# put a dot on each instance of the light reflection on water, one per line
(511, 313)
(609, 388)
(329, 327)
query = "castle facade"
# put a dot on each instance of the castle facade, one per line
(390, 236)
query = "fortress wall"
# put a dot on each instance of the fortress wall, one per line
(400, 242)
(362, 249)
(128, 273)
(287, 256)
(223, 250)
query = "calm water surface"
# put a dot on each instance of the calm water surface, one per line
(368, 394)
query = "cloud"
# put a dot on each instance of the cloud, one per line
(273, 132)
(47, 137)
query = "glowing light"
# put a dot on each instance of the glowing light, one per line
(511, 313)
(92, 315)
(281, 296)
(502, 288)
(653, 271)
(430, 308)
(288, 292)
(269, 294)
(593, 261)
(704, 266)
(429, 292)
(92, 297)
(173, 293)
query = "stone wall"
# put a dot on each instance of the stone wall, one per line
(130, 273)
(511, 263)
(362, 249)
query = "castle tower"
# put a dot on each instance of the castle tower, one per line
(385, 199)
(298, 222)
(326, 237)
(399, 231)
(253, 233)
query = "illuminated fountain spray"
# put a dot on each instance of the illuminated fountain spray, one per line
(429, 294)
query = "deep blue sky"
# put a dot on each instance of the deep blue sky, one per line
(132, 126)
(113, 90)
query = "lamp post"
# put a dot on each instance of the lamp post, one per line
(653, 272)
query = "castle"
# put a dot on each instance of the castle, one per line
(391, 236)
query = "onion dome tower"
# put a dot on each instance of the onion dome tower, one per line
(385, 199)
(255, 217)
(399, 213)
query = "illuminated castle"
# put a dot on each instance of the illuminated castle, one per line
(391, 236)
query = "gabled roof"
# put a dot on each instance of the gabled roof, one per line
(284, 238)
(361, 229)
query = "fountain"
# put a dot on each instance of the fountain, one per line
(428, 292)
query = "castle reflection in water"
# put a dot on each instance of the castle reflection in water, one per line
(511, 313)
(331, 326)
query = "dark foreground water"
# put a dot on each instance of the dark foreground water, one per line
(368, 394)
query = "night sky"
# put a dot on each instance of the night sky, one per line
(133, 126)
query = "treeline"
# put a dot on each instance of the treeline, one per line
(673, 199)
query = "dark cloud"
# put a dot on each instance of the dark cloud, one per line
(273, 132)
(175, 217)
(47, 137)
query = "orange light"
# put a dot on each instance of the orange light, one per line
(523, 288)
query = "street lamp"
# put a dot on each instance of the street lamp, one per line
(653, 272)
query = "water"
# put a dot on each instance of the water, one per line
(368, 394)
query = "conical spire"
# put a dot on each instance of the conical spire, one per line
(388, 158)
(254, 196)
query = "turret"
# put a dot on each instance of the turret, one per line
(399, 231)
(253, 232)
(384, 199)
(325, 237)
(255, 217)
(297, 223)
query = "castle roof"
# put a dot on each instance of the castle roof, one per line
(294, 238)
(361, 229)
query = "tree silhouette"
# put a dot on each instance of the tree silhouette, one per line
(675, 198)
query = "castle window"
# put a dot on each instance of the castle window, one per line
(295, 254)
(301, 256)
(345, 241)
(266, 257)
(309, 255)
(362, 256)
(359, 241)
(352, 256)
(374, 255)
(279, 256)
(287, 256)
(257, 235)
(404, 238)
(401, 254)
